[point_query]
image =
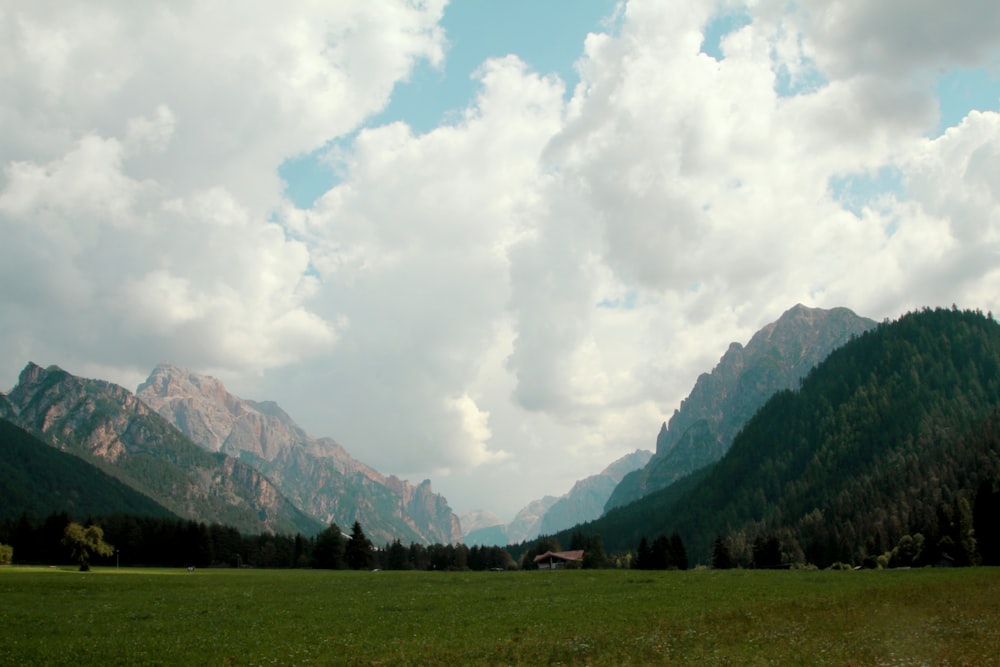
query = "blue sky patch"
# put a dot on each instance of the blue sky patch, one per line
(856, 191)
(626, 302)
(961, 90)
(548, 36)
(718, 28)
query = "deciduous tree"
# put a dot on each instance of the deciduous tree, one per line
(85, 542)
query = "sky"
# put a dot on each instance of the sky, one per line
(492, 244)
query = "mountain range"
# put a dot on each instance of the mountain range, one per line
(702, 428)
(106, 426)
(889, 449)
(831, 436)
(316, 474)
(211, 456)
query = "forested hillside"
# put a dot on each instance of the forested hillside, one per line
(39, 480)
(702, 429)
(890, 447)
(109, 428)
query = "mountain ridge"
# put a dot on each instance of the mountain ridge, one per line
(109, 427)
(892, 441)
(549, 514)
(317, 474)
(702, 428)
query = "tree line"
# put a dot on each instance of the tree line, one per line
(136, 541)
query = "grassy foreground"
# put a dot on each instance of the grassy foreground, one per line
(257, 617)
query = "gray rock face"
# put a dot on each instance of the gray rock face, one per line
(316, 474)
(703, 427)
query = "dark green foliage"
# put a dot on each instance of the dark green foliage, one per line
(39, 479)
(490, 558)
(986, 522)
(358, 553)
(721, 558)
(329, 550)
(594, 556)
(397, 557)
(149, 541)
(665, 553)
(86, 542)
(767, 553)
(643, 555)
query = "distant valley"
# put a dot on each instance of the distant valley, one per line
(827, 438)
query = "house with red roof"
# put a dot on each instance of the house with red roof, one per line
(551, 560)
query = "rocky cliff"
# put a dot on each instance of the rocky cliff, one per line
(317, 474)
(110, 428)
(703, 427)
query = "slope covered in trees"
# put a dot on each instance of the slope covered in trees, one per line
(702, 429)
(896, 434)
(109, 428)
(38, 479)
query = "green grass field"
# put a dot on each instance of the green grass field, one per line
(270, 617)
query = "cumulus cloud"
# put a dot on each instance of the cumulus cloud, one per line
(411, 247)
(895, 37)
(140, 159)
(512, 300)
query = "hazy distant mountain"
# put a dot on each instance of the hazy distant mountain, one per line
(584, 502)
(478, 519)
(317, 474)
(702, 429)
(107, 426)
(38, 479)
(523, 527)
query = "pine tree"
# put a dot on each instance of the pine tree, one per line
(678, 554)
(721, 559)
(328, 553)
(644, 555)
(359, 549)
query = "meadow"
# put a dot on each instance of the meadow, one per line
(57, 616)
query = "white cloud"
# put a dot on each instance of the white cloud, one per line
(411, 248)
(140, 158)
(895, 38)
(508, 302)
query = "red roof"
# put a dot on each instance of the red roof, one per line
(560, 555)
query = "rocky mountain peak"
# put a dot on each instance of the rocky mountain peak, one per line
(776, 357)
(316, 473)
(207, 413)
(168, 380)
(107, 426)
